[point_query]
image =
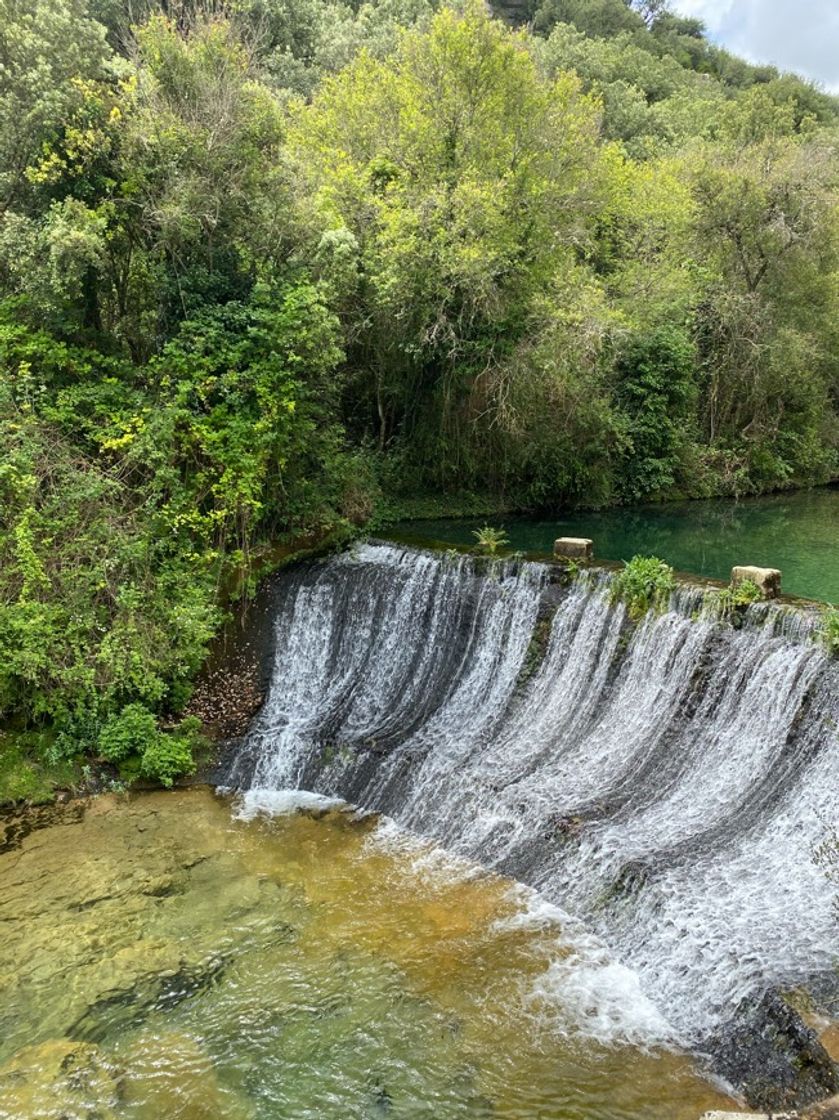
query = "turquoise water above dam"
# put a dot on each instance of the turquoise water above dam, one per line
(797, 532)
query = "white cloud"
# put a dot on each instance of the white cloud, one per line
(711, 11)
(799, 35)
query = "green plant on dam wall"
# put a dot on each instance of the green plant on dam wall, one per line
(645, 583)
(828, 630)
(732, 600)
(489, 540)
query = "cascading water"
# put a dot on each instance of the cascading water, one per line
(664, 784)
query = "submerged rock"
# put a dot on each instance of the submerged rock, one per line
(17, 822)
(773, 1057)
(59, 1080)
(142, 978)
(169, 1076)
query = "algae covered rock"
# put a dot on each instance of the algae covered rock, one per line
(59, 1080)
(170, 1075)
(773, 1057)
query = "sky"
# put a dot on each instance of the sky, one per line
(799, 35)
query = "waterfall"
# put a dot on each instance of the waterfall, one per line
(664, 784)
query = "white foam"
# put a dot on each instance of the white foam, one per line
(280, 802)
(583, 989)
(587, 991)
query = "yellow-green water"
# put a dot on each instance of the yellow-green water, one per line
(161, 959)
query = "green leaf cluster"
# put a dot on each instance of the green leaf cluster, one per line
(489, 540)
(644, 584)
(732, 600)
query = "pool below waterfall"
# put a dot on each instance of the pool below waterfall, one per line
(180, 956)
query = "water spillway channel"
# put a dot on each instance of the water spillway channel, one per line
(665, 784)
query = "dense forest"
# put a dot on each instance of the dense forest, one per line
(271, 268)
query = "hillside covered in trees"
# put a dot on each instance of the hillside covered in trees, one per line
(271, 267)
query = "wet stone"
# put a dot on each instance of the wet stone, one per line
(767, 580)
(59, 1080)
(778, 1060)
(573, 548)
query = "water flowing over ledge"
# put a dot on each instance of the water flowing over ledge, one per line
(665, 784)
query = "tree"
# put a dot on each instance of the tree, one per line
(650, 11)
(766, 230)
(461, 181)
(601, 18)
(53, 57)
(655, 392)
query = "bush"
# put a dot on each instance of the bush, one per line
(131, 732)
(735, 599)
(23, 777)
(644, 584)
(133, 737)
(170, 756)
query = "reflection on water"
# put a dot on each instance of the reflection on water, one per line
(163, 959)
(796, 532)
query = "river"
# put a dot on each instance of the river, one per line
(596, 854)
(797, 532)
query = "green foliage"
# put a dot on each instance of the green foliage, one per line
(128, 733)
(490, 540)
(25, 774)
(127, 498)
(599, 18)
(732, 600)
(133, 737)
(829, 630)
(444, 189)
(467, 267)
(168, 756)
(656, 394)
(645, 583)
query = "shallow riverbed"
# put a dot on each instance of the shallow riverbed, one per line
(162, 958)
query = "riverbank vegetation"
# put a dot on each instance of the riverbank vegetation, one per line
(276, 269)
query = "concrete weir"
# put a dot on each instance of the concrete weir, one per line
(661, 782)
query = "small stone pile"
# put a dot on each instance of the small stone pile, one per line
(227, 697)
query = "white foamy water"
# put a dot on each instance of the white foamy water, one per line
(662, 785)
(257, 802)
